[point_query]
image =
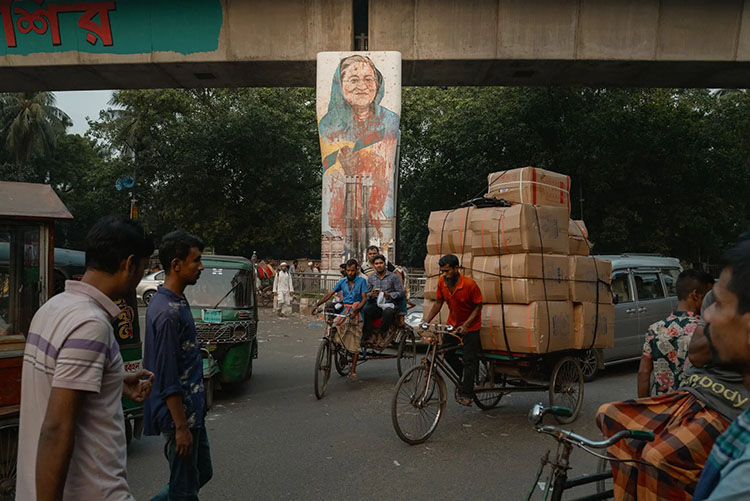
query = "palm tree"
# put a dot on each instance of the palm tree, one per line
(30, 123)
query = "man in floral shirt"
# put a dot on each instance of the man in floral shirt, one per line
(666, 348)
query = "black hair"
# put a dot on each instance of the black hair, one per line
(342, 265)
(379, 256)
(177, 244)
(112, 239)
(295, 262)
(373, 247)
(692, 280)
(352, 262)
(737, 259)
(449, 260)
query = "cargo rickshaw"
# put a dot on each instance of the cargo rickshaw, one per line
(420, 396)
(342, 340)
(225, 310)
(27, 216)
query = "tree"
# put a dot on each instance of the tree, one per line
(30, 124)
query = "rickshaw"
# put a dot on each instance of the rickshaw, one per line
(27, 216)
(225, 309)
(128, 335)
(342, 340)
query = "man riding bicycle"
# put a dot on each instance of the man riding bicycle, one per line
(353, 289)
(465, 304)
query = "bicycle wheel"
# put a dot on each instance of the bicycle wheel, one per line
(8, 454)
(407, 352)
(342, 360)
(416, 407)
(322, 368)
(566, 387)
(486, 392)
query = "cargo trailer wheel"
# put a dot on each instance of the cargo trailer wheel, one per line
(566, 387)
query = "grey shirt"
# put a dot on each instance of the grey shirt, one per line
(390, 283)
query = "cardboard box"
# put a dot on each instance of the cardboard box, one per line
(441, 317)
(529, 328)
(517, 229)
(585, 318)
(583, 283)
(449, 231)
(521, 280)
(578, 235)
(529, 185)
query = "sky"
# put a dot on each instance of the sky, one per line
(81, 104)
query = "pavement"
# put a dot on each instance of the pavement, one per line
(272, 439)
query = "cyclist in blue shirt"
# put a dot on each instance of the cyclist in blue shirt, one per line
(353, 289)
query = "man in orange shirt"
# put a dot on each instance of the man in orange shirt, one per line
(465, 304)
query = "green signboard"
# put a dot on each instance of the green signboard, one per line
(109, 27)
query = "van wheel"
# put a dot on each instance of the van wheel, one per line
(590, 364)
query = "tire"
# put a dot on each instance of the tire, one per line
(486, 380)
(566, 387)
(342, 360)
(407, 352)
(589, 361)
(209, 386)
(8, 456)
(416, 408)
(322, 368)
(249, 371)
(147, 297)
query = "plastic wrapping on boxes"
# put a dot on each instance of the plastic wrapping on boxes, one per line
(529, 328)
(578, 235)
(529, 185)
(583, 272)
(516, 229)
(449, 231)
(521, 278)
(585, 317)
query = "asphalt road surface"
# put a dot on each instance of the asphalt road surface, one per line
(272, 439)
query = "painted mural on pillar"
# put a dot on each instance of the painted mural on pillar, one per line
(109, 27)
(359, 107)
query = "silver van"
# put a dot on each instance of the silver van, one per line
(644, 292)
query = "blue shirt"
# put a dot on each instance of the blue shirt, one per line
(172, 353)
(355, 294)
(726, 475)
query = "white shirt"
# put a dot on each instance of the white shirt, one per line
(282, 282)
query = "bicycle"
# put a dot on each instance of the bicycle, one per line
(420, 395)
(334, 348)
(557, 480)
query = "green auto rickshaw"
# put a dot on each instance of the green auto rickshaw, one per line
(224, 307)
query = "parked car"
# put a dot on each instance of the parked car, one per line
(147, 286)
(644, 292)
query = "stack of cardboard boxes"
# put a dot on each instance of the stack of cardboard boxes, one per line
(541, 290)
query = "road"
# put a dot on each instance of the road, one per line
(271, 438)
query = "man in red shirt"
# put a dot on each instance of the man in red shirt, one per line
(465, 304)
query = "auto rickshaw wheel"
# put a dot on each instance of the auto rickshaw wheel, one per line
(209, 386)
(8, 456)
(128, 430)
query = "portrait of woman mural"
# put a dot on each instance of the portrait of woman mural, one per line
(358, 138)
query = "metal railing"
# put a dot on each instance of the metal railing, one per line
(313, 284)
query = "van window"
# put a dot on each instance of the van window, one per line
(670, 280)
(648, 285)
(621, 286)
(159, 276)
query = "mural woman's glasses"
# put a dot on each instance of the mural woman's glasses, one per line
(356, 81)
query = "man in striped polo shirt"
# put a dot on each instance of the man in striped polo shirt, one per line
(72, 434)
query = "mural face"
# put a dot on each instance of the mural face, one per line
(358, 104)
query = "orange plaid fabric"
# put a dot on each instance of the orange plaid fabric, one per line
(685, 430)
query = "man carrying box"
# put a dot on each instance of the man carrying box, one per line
(465, 304)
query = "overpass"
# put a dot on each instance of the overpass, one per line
(66, 45)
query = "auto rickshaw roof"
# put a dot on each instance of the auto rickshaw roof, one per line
(214, 260)
(31, 201)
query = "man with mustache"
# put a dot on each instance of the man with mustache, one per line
(465, 303)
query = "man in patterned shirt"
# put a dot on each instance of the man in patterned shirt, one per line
(666, 347)
(177, 405)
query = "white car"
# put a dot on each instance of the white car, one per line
(147, 286)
